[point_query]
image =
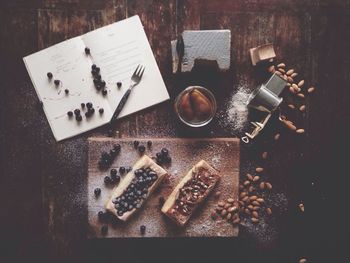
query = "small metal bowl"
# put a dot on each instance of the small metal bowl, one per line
(196, 122)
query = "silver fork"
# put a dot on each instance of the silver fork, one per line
(135, 79)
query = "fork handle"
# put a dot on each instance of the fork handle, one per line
(121, 105)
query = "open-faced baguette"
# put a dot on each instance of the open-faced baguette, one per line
(144, 162)
(190, 192)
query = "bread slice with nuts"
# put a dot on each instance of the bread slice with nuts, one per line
(191, 191)
(135, 188)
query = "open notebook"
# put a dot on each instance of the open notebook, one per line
(117, 49)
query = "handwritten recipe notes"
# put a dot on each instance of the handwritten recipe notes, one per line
(116, 49)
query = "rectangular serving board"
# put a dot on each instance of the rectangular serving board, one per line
(221, 153)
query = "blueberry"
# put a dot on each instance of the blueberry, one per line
(97, 191)
(57, 82)
(93, 66)
(101, 110)
(88, 114)
(120, 213)
(104, 92)
(49, 75)
(167, 159)
(82, 105)
(128, 169)
(149, 144)
(165, 151)
(142, 229)
(114, 171)
(119, 84)
(115, 179)
(70, 113)
(96, 82)
(101, 215)
(103, 83)
(122, 169)
(104, 230)
(136, 144)
(107, 180)
(66, 91)
(113, 152)
(97, 69)
(89, 105)
(98, 87)
(141, 148)
(117, 147)
(98, 77)
(78, 118)
(87, 51)
(76, 112)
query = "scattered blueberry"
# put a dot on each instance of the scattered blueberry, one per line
(70, 113)
(79, 118)
(128, 169)
(136, 144)
(104, 92)
(103, 83)
(66, 91)
(82, 105)
(76, 112)
(149, 144)
(87, 51)
(89, 105)
(101, 215)
(93, 66)
(101, 110)
(119, 84)
(107, 180)
(165, 151)
(143, 229)
(49, 75)
(104, 230)
(57, 82)
(141, 148)
(115, 179)
(113, 171)
(122, 169)
(97, 69)
(97, 192)
(117, 147)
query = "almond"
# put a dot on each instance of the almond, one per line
(259, 169)
(301, 95)
(264, 155)
(301, 207)
(281, 65)
(230, 200)
(300, 131)
(301, 83)
(236, 221)
(302, 108)
(303, 260)
(262, 185)
(260, 200)
(247, 211)
(268, 185)
(246, 183)
(253, 197)
(269, 211)
(294, 75)
(277, 136)
(251, 189)
(290, 72)
(255, 214)
(271, 69)
(243, 194)
(291, 89)
(256, 178)
(233, 209)
(256, 203)
(281, 70)
(311, 89)
(250, 177)
(255, 220)
(289, 125)
(290, 79)
(291, 106)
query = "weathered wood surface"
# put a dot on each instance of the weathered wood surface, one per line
(222, 153)
(41, 216)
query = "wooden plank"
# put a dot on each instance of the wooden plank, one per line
(222, 153)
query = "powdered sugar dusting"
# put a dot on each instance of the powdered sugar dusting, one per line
(236, 116)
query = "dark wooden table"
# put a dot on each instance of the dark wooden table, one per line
(43, 210)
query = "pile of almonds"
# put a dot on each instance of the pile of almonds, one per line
(296, 88)
(227, 210)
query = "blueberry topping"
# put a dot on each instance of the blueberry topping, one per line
(57, 82)
(82, 105)
(87, 51)
(103, 83)
(97, 192)
(66, 91)
(115, 179)
(101, 110)
(119, 84)
(149, 144)
(117, 147)
(89, 105)
(70, 113)
(97, 69)
(104, 92)
(104, 230)
(93, 66)
(78, 118)
(49, 75)
(142, 229)
(101, 215)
